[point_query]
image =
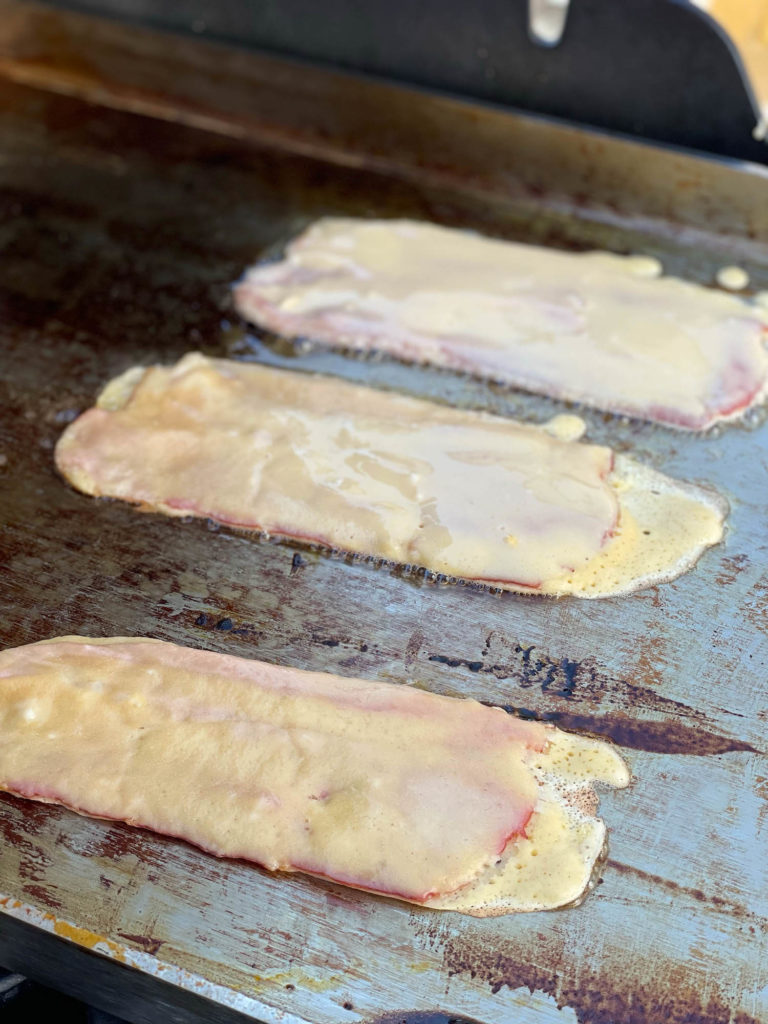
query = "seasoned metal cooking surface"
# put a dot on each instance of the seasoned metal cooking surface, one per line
(120, 235)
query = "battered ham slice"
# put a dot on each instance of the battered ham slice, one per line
(591, 327)
(378, 786)
(317, 459)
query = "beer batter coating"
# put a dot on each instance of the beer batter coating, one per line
(593, 327)
(317, 459)
(375, 785)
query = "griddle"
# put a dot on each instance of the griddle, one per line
(661, 69)
(139, 174)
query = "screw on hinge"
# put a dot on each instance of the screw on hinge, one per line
(546, 20)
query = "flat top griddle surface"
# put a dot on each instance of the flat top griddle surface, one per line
(119, 238)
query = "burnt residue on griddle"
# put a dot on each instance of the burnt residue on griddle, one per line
(681, 729)
(33, 861)
(115, 842)
(422, 1017)
(730, 569)
(665, 737)
(145, 942)
(710, 898)
(119, 249)
(226, 624)
(530, 668)
(108, 840)
(249, 631)
(636, 992)
(558, 676)
(42, 896)
(36, 817)
(755, 606)
(297, 563)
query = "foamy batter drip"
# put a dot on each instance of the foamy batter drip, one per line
(378, 786)
(465, 494)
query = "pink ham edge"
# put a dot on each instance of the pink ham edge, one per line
(497, 727)
(182, 505)
(46, 795)
(321, 329)
(519, 832)
(305, 538)
(93, 426)
(741, 385)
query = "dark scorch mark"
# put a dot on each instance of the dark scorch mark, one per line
(552, 676)
(682, 730)
(530, 668)
(710, 898)
(658, 991)
(667, 737)
(297, 562)
(422, 1017)
(149, 945)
